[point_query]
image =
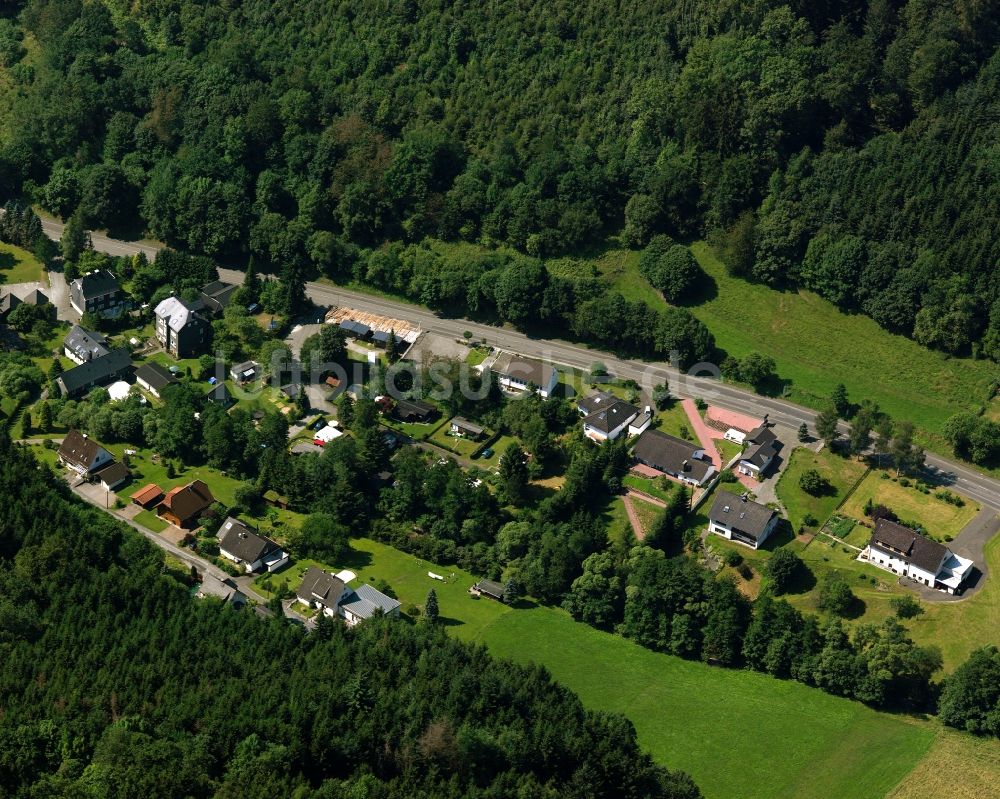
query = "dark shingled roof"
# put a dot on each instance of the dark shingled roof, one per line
(96, 371)
(913, 547)
(79, 449)
(241, 542)
(524, 370)
(96, 284)
(764, 445)
(216, 295)
(743, 514)
(600, 399)
(609, 416)
(414, 409)
(115, 474)
(157, 376)
(667, 453)
(319, 586)
(490, 588)
(186, 502)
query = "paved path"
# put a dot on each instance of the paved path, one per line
(702, 431)
(632, 496)
(964, 479)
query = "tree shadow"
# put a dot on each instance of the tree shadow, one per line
(773, 386)
(782, 535)
(704, 290)
(524, 604)
(356, 559)
(7, 261)
(802, 582)
(446, 621)
(856, 609)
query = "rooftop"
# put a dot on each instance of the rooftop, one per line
(241, 542)
(915, 548)
(364, 601)
(524, 370)
(671, 454)
(155, 375)
(608, 417)
(79, 449)
(321, 587)
(85, 344)
(177, 312)
(744, 514)
(94, 371)
(96, 284)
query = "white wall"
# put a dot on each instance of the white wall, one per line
(892, 562)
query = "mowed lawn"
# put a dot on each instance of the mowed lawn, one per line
(817, 346)
(738, 733)
(938, 518)
(19, 266)
(840, 473)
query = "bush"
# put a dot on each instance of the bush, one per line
(809, 520)
(727, 476)
(745, 571)
(732, 558)
(906, 607)
(905, 482)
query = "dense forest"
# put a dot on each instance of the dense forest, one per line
(117, 684)
(848, 147)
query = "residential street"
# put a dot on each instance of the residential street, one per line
(964, 479)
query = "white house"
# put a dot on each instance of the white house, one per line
(154, 378)
(82, 345)
(82, 454)
(905, 552)
(516, 373)
(331, 594)
(609, 420)
(740, 519)
(673, 456)
(758, 457)
(246, 548)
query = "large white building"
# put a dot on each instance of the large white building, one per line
(905, 552)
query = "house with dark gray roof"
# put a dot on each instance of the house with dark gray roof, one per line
(8, 302)
(220, 395)
(463, 427)
(414, 411)
(35, 297)
(182, 331)
(760, 454)
(224, 590)
(116, 365)
(321, 590)
(113, 476)
(906, 552)
(154, 377)
(516, 373)
(490, 588)
(355, 329)
(245, 372)
(609, 419)
(740, 519)
(249, 549)
(673, 456)
(215, 296)
(82, 345)
(97, 293)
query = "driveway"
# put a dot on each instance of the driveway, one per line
(702, 431)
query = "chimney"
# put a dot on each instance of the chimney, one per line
(686, 466)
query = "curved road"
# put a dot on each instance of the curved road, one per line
(966, 480)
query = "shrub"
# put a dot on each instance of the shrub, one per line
(727, 476)
(905, 482)
(809, 520)
(745, 571)
(732, 558)
(906, 607)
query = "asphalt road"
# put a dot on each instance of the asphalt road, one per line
(963, 479)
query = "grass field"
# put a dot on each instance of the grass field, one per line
(460, 444)
(674, 421)
(738, 733)
(840, 473)
(647, 486)
(144, 471)
(19, 266)
(937, 517)
(815, 346)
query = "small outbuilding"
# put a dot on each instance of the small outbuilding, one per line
(490, 588)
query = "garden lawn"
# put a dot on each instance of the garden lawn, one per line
(816, 346)
(647, 486)
(371, 561)
(646, 512)
(940, 519)
(149, 519)
(841, 473)
(19, 266)
(461, 445)
(620, 268)
(498, 447)
(960, 627)
(738, 733)
(144, 471)
(674, 421)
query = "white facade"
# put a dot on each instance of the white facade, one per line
(600, 435)
(269, 563)
(726, 532)
(640, 423)
(891, 561)
(101, 458)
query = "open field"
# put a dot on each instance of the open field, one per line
(953, 753)
(840, 473)
(815, 346)
(738, 733)
(19, 266)
(937, 517)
